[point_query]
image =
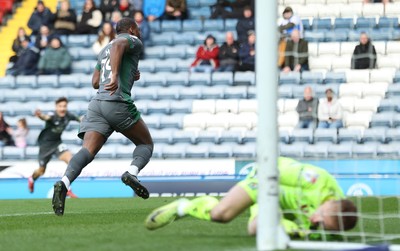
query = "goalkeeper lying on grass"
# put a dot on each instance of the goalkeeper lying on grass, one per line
(310, 199)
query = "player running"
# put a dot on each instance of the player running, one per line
(49, 139)
(309, 197)
(112, 109)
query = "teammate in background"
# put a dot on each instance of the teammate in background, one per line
(309, 198)
(112, 109)
(49, 139)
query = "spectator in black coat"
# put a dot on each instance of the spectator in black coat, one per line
(247, 53)
(43, 38)
(90, 20)
(230, 9)
(107, 7)
(228, 53)
(27, 61)
(17, 44)
(5, 133)
(364, 55)
(41, 16)
(65, 19)
(245, 24)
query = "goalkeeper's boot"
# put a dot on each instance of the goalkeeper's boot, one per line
(163, 215)
(134, 183)
(60, 192)
(31, 184)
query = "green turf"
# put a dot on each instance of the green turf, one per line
(117, 224)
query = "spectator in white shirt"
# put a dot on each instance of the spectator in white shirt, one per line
(329, 111)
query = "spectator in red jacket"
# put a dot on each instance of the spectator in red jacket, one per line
(206, 56)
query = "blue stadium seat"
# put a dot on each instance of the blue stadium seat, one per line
(306, 24)
(244, 78)
(215, 92)
(87, 54)
(230, 24)
(249, 136)
(69, 80)
(338, 35)
(308, 77)
(244, 151)
(354, 35)
(393, 91)
(213, 25)
(295, 150)
(193, 3)
(33, 94)
(321, 24)
(388, 22)
(365, 150)
(284, 136)
(236, 92)
(220, 151)
(393, 134)
(285, 91)
(183, 66)
(26, 81)
(344, 23)
(179, 79)
(396, 120)
(156, 79)
(343, 150)
(77, 41)
(199, 79)
(147, 65)
(180, 136)
(396, 78)
(388, 105)
(118, 138)
(335, 77)
(183, 39)
(174, 151)
(74, 52)
(162, 136)
(316, 151)
(92, 38)
(320, 89)
(168, 65)
(154, 52)
(197, 151)
(381, 35)
(232, 136)
(366, 22)
(70, 138)
(162, 106)
(384, 119)
(147, 93)
(108, 151)
(222, 78)
(166, 38)
(207, 136)
(7, 82)
(325, 135)
(374, 135)
(82, 66)
(200, 13)
(171, 121)
(183, 106)
(17, 95)
(193, 92)
(176, 52)
(31, 152)
(388, 150)
(192, 25)
(314, 36)
(251, 92)
(171, 25)
(155, 26)
(289, 78)
(191, 53)
(122, 151)
(302, 135)
(170, 93)
(47, 81)
(85, 80)
(207, 3)
(351, 135)
(152, 121)
(13, 153)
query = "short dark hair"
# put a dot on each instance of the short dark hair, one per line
(347, 216)
(124, 24)
(61, 99)
(287, 10)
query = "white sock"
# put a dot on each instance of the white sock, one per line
(66, 181)
(134, 170)
(183, 203)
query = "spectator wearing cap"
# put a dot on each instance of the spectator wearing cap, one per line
(41, 16)
(228, 53)
(17, 44)
(245, 24)
(206, 56)
(329, 111)
(247, 53)
(290, 22)
(307, 108)
(175, 9)
(364, 55)
(296, 54)
(56, 59)
(27, 60)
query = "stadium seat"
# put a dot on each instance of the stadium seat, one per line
(125, 151)
(244, 151)
(197, 151)
(31, 152)
(147, 65)
(382, 75)
(288, 120)
(284, 136)
(337, 35)
(347, 48)
(7, 82)
(285, 91)
(289, 78)
(183, 39)
(171, 25)
(166, 38)
(396, 120)
(314, 36)
(392, 47)
(179, 79)
(321, 89)
(325, 135)
(174, 121)
(341, 63)
(152, 121)
(322, 24)
(316, 151)
(77, 41)
(171, 92)
(35, 127)
(13, 153)
(233, 137)
(192, 25)
(302, 135)
(340, 151)
(83, 66)
(392, 9)
(200, 13)
(320, 63)
(358, 76)
(312, 77)
(178, 52)
(375, 90)
(388, 62)
(384, 119)
(390, 104)
(335, 77)
(119, 138)
(247, 105)
(372, 10)
(249, 136)
(154, 52)
(230, 24)
(393, 90)
(174, 151)
(47, 81)
(380, 35)
(181, 136)
(70, 80)
(26, 82)
(244, 78)
(195, 121)
(215, 92)
(155, 26)
(358, 120)
(161, 106)
(351, 90)
(388, 150)
(85, 80)
(87, 54)
(393, 134)
(251, 92)
(365, 150)
(168, 65)
(193, 92)
(368, 104)
(332, 10)
(312, 49)
(108, 151)
(227, 106)
(243, 121)
(220, 151)
(374, 135)
(366, 22)
(162, 136)
(344, 23)
(222, 78)
(295, 150)
(213, 25)
(305, 11)
(156, 79)
(236, 92)
(208, 135)
(200, 79)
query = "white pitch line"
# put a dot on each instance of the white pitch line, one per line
(25, 214)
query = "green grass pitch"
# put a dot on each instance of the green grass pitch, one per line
(117, 224)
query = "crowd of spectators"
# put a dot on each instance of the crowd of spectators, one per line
(10, 137)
